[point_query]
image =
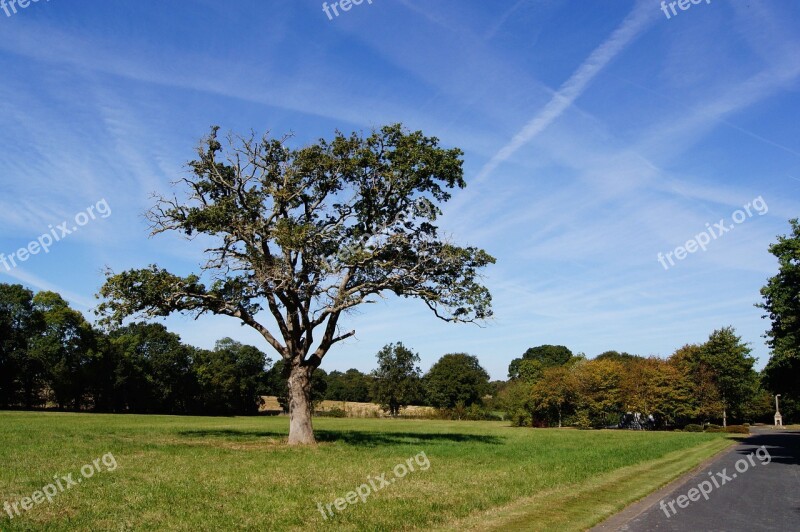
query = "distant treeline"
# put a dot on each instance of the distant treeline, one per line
(698, 384)
(51, 357)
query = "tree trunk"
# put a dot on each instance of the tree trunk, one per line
(724, 417)
(559, 416)
(301, 432)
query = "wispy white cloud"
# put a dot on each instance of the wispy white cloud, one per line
(637, 149)
(633, 25)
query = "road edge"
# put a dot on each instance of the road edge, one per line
(635, 509)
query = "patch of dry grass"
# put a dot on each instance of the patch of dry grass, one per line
(353, 409)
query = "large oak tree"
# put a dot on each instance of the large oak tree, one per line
(305, 235)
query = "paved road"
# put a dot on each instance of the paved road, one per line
(754, 486)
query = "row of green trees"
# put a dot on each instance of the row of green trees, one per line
(714, 381)
(711, 382)
(456, 380)
(51, 356)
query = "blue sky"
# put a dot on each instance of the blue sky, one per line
(596, 136)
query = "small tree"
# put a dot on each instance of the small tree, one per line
(515, 400)
(456, 379)
(397, 380)
(306, 235)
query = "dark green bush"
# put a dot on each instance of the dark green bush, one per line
(519, 418)
(476, 412)
(693, 427)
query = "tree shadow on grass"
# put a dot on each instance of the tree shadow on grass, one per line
(350, 437)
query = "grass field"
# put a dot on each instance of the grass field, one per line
(180, 473)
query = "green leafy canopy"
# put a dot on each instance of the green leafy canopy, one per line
(307, 234)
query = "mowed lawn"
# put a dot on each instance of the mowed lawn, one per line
(182, 473)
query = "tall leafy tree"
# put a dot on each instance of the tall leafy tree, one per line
(782, 304)
(729, 359)
(21, 376)
(553, 395)
(396, 382)
(456, 379)
(306, 235)
(64, 348)
(638, 383)
(673, 397)
(697, 386)
(154, 371)
(527, 370)
(599, 394)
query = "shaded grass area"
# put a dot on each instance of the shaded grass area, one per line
(180, 473)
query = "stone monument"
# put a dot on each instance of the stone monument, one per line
(778, 417)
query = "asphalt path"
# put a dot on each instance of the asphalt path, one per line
(753, 486)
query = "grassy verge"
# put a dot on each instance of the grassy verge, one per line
(179, 473)
(582, 506)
